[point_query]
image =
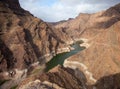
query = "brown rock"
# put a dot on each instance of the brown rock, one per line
(108, 82)
(101, 35)
(57, 78)
(24, 38)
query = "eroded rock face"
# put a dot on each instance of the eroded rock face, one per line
(59, 78)
(25, 39)
(66, 78)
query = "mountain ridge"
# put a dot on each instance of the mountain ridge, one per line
(28, 38)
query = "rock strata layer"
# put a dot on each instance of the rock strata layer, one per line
(25, 39)
(58, 78)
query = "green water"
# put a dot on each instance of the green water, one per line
(59, 58)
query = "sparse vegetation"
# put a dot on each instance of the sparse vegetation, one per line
(37, 70)
(14, 87)
(3, 81)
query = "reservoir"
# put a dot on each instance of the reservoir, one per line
(59, 58)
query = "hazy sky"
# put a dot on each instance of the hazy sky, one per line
(55, 10)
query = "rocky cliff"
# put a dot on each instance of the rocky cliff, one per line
(25, 39)
(67, 78)
(58, 78)
(100, 33)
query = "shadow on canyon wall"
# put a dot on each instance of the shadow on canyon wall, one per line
(107, 24)
(7, 61)
(108, 82)
(113, 14)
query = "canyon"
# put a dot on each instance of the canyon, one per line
(27, 44)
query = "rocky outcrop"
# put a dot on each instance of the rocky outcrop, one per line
(58, 78)
(66, 78)
(108, 82)
(25, 39)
